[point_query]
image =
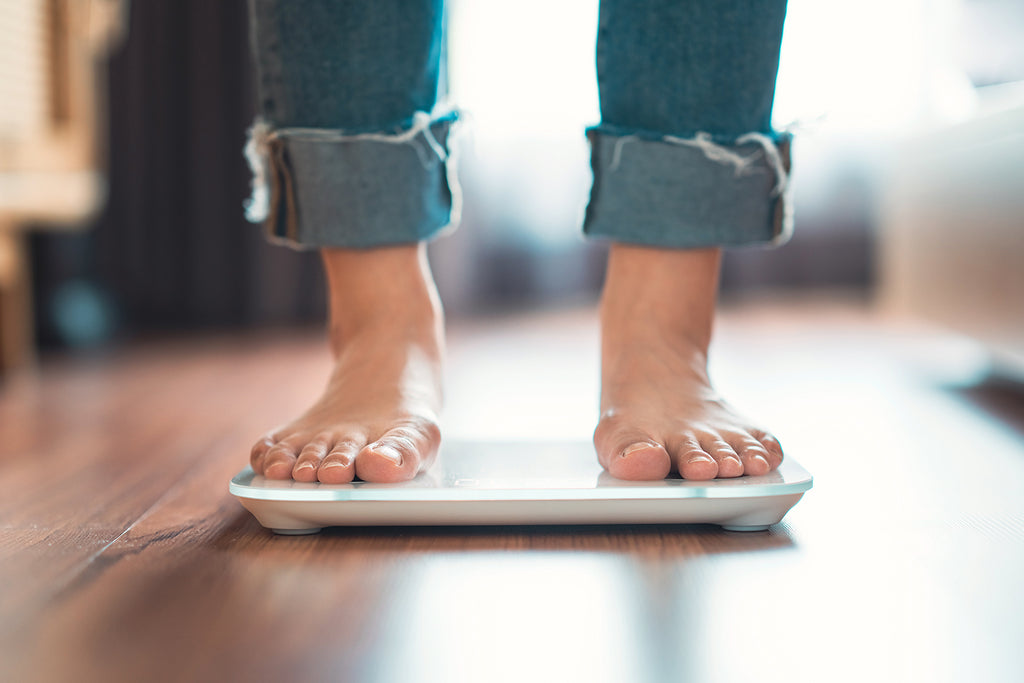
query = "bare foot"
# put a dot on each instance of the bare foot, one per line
(659, 412)
(378, 417)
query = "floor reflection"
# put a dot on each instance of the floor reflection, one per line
(553, 616)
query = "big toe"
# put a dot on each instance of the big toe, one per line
(399, 454)
(639, 461)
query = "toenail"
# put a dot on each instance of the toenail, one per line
(388, 452)
(700, 458)
(637, 447)
(305, 466)
(331, 464)
(760, 458)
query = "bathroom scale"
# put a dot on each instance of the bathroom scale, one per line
(521, 482)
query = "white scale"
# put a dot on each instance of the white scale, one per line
(522, 483)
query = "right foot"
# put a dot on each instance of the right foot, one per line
(377, 420)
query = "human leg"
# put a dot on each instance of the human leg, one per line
(349, 160)
(685, 162)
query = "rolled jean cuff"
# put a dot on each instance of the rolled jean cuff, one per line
(700, 191)
(315, 187)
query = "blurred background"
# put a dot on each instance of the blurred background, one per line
(122, 178)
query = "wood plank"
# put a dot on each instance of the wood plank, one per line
(95, 447)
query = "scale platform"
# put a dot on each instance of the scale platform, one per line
(522, 483)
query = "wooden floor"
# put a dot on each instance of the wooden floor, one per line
(123, 558)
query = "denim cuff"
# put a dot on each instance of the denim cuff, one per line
(699, 191)
(328, 188)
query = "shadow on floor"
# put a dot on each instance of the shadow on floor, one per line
(242, 534)
(997, 395)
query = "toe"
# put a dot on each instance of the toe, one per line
(339, 465)
(310, 457)
(640, 460)
(729, 462)
(382, 461)
(628, 453)
(692, 461)
(771, 445)
(753, 455)
(399, 454)
(259, 450)
(280, 459)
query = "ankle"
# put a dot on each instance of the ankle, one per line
(387, 289)
(665, 292)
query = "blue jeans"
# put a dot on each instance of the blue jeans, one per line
(350, 151)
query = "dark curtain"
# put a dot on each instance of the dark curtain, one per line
(172, 249)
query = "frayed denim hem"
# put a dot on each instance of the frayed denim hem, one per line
(315, 187)
(689, 192)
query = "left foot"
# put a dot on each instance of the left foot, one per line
(659, 413)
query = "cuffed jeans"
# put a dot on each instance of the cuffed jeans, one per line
(349, 150)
